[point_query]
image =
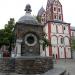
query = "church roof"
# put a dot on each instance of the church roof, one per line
(73, 28)
(41, 11)
(28, 18)
(57, 21)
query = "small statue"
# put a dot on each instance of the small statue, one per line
(28, 8)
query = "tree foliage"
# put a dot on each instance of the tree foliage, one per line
(38, 18)
(73, 44)
(45, 42)
(7, 34)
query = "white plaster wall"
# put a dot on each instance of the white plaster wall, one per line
(47, 51)
(68, 52)
(55, 51)
(66, 29)
(53, 40)
(46, 28)
(61, 52)
(53, 28)
(59, 40)
(66, 41)
(60, 29)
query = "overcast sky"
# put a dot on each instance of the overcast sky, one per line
(15, 9)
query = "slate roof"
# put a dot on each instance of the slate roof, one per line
(28, 18)
(57, 21)
(41, 11)
(73, 28)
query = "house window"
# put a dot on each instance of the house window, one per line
(62, 40)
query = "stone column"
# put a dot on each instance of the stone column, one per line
(42, 53)
(18, 47)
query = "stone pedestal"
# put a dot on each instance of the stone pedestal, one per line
(33, 65)
(18, 47)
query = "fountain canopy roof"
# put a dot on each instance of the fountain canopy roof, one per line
(28, 18)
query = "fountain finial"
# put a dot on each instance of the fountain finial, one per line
(28, 8)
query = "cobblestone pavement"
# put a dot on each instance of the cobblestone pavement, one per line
(68, 64)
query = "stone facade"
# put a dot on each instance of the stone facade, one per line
(28, 59)
(33, 65)
(22, 31)
(26, 65)
(7, 65)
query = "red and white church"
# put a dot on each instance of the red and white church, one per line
(58, 31)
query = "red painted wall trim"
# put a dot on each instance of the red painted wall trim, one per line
(49, 37)
(70, 37)
(62, 12)
(58, 53)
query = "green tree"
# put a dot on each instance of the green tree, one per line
(73, 44)
(38, 18)
(45, 41)
(7, 34)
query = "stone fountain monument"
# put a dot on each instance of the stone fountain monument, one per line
(28, 47)
(29, 59)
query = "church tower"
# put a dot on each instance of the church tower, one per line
(58, 31)
(54, 11)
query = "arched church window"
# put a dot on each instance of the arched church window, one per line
(59, 17)
(58, 9)
(64, 28)
(62, 40)
(54, 9)
(42, 19)
(54, 16)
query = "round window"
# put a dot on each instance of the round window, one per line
(30, 39)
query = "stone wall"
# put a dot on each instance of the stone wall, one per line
(7, 64)
(26, 65)
(33, 65)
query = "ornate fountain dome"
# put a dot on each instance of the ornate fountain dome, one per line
(28, 18)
